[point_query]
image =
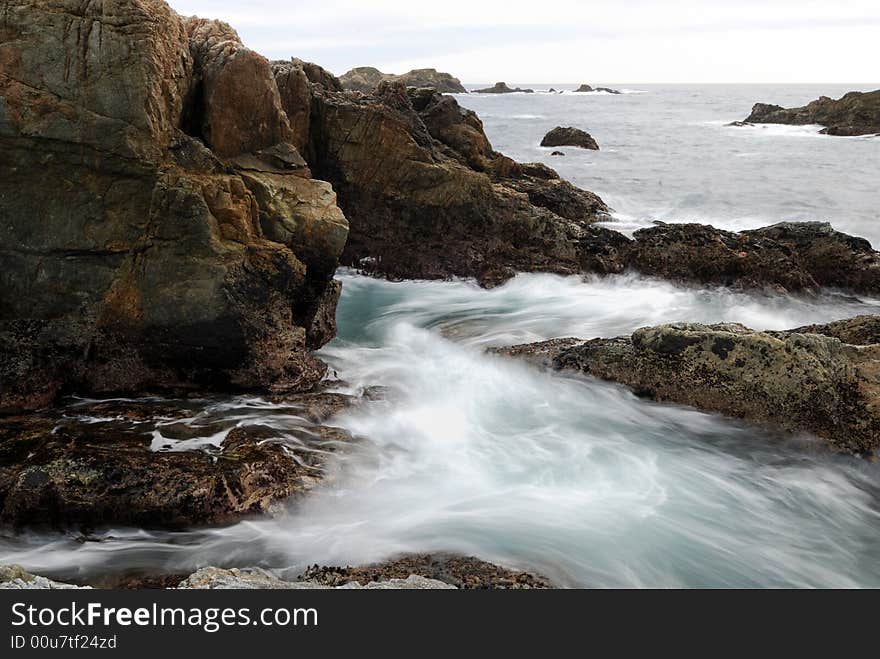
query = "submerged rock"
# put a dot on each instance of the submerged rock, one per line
(159, 229)
(502, 88)
(365, 78)
(569, 136)
(855, 113)
(149, 464)
(794, 380)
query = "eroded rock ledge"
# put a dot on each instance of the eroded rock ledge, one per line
(799, 380)
(855, 113)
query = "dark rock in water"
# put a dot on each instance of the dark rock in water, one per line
(855, 113)
(557, 153)
(551, 91)
(569, 136)
(739, 123)
(159, 227)
(459, 571)
(793, 380)
(97, 464)
(426, 195)
(587, 88)
(799, 256)
(502, 88)
(365, 78)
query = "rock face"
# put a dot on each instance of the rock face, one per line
(365, 78)
(159, 229)
(569, 136)
(147, 464)
(502, 88)
(793, 380)
(855, 113)
(426, 195)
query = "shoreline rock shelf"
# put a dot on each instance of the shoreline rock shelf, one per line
(855, 113)
(799, 380)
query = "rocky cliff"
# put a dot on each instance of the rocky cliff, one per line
(158, 227)
(365, 78)
(855, 113)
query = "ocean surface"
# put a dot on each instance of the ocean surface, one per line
(576, 479)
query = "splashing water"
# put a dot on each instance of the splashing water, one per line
(579, 480)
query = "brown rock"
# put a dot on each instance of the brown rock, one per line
(855, 113)
(365, 78)
(569, 136)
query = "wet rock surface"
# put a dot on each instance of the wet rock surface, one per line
(256, 578)
(795, 380)
(15, 577)
(855, 113)
(568, 136)
(163, 463)
(365, 78)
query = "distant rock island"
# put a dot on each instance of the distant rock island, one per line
(855, 113)
(587, 88)
(365, 78)
(569, 136)
(502, 88)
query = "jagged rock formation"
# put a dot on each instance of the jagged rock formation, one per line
(427, 196)
(365, 78)
(794, 380)
(855, 113)
(569, 136)
(502, 88)
(158, 228)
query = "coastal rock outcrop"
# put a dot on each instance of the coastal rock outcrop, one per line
(145, 463)
(568, 136)
(502, 88)
(793, 380)
(365, 78)
(426, 195)
(855, 113)
(159, 229)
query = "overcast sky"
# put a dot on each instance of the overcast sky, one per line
(569, 41)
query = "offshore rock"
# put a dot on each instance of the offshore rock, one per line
(569, 136)
(502, 88)
(855, 113)
(159, 229)
(365, 78)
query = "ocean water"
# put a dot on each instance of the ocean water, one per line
(577, 479)
(666, 154)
